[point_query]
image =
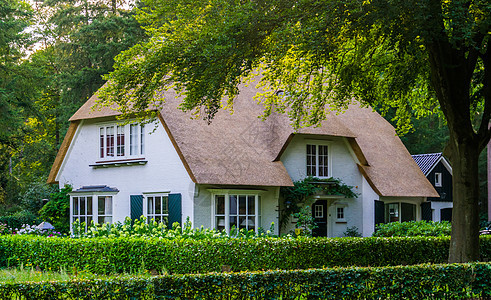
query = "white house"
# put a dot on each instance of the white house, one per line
(230, 172)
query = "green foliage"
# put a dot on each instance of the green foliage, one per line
(57, 210)
(32, 198)
(294, 197)
(305, 221)
(188, 255)
(15, 221)
(419, 228)
(458, 281)
(352, 232)
(142, 228)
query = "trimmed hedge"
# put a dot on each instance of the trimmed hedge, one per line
(409, 282)
(419, 228)
(118, 255)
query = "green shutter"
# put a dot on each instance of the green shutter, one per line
(426, 211)
(136, 206)
(379, 212)
(175, 209)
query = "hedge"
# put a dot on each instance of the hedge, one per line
(118, 255)
(468, 281)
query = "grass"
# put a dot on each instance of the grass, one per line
(22, 274)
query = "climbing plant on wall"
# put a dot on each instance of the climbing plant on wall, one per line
(299, 193)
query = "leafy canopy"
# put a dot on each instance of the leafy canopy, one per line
(321, 54)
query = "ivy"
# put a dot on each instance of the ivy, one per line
(294, 197)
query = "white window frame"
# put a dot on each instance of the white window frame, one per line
(399, 210)
(438, 179)
(318, 213)
(162, 215)
(318, 143)
(227, 194)
(95, 207)
(139, 138)
(343, 212)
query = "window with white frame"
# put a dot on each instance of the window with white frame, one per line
(157, 208)
(318, 211)
(317, 160)
(400, 212)
(85, 209)
(438, 179)
(115, 144)
(340, 213)
(241, 211)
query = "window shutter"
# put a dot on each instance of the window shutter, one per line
(426, 211)
(136, 206)
(379, 212)
(175, 209)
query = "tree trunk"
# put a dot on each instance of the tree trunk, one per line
(464, 243)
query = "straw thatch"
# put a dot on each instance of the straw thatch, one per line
(240, 149)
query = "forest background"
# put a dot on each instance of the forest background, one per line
(52, 58)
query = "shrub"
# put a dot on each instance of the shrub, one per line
(420, 228)
(18, 219)
(57, 210)
(458, 281)
(142, 228)
(180, 255)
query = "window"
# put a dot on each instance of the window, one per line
(114, 144)
(104, 209)
(318, 211)
(400, 212)
(438, 179)
(158, 208)
(317, 160)
(340, 213)
(86, 210)
(239, 210)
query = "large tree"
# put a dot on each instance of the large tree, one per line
(424, 56)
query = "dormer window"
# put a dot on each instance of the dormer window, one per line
(115, 144)
(438, 179)
(317, 160)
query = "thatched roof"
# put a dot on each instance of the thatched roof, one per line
(240, 149)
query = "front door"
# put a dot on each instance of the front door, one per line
(319, 212)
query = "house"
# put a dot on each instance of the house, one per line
(229, 173)
(439, 172)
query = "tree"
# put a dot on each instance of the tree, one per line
(423, 56)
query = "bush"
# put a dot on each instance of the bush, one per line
(18, 219)
(420, 228)
(182, 256)
(459, 281)
(57, 210)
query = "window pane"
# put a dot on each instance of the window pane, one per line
(133, 139)
(75, 206)
(158, 205)
(165, 206)
(233, 205)
(82, 205)
(220, 223)
(242, 222)
(101, 210)
(110, 141)
(120, 141)
(242, 205)
(142, 139)
(233, 222)
(150, 208)
(109, 205)
(101, 142)
(220, 205)
(89, 205)
(88, 220)
(251, 223)
(408, 212)
(251, 207)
